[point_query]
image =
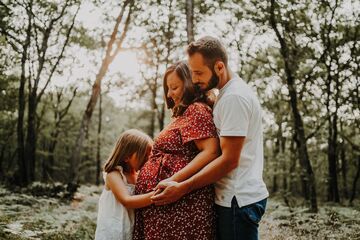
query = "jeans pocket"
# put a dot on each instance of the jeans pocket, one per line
(255, 211)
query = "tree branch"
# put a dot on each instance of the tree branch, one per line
(123, 34)
(316, 130)
(64, 111)
(60, 56)
(353, 145)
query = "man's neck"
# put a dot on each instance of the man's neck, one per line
(223, 80)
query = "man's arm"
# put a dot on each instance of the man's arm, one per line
(208, 151)
(228, 160)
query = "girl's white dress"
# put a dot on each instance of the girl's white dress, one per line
(114, 221)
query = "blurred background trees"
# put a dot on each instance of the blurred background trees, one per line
(75, 74)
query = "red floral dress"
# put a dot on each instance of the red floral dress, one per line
(193, 216)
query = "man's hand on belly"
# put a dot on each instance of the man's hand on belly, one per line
(168, 192)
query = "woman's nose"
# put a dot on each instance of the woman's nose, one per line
(169, 94)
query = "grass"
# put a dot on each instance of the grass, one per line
(24, 217)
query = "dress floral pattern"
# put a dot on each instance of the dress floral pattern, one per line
(193, 216)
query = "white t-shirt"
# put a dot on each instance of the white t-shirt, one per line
(237, 112)
(114, 221)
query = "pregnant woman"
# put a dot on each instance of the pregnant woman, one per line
(185, 146)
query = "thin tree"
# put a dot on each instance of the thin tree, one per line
(23, 164)
(59, 115)
(110, 55)
(190, 20)
(11, 34)
(356, 149)
(98, 147)
(35, 94)
(157, 49)
(356, 179)
(298, 121)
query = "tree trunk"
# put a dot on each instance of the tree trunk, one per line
(98, 154)
(33, 86)
(333, 191)
(292, 169)
(59, 114)
(2, 155)
(22, 163)
(161, 116)
(30, 147)
(357, 176)
(48, 169)
(11, 163)
(276, 160)
(154, 108)
(109, 57)
(190, 20)
(344, 170)
(2, 152)
(152, 124)
(298, 122)
(284, 161)
(301, 144)
(161, 112)
(48, 164)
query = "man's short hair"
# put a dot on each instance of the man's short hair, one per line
(210, 48)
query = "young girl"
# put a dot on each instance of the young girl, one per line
(116, 216)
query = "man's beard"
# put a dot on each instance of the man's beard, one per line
(213, 82)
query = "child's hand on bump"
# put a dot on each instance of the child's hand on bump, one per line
(157, 191)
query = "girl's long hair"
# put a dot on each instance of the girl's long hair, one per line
(131, 141)
(191, 92)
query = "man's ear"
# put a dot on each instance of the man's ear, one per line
(219, 67)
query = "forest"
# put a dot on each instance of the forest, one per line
(74, 74)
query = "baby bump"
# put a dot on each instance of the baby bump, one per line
(159, 167)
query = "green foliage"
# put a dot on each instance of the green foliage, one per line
(5, 12)
(8, 93)
(8, 118)
(9, 236)
(324, 59)
(83, 39)
(322, 52)
(50, 218)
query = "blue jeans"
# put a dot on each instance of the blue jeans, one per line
(239, 223)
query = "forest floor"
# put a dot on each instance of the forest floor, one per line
(23, 216)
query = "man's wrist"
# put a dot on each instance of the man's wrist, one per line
(188, 185)
(172, 178)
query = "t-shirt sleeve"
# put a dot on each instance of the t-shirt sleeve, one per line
(199, 123)
(235, 116)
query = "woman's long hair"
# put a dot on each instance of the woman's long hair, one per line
(191, 92)
(131, 141)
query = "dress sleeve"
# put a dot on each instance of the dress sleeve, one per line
(199, 123)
